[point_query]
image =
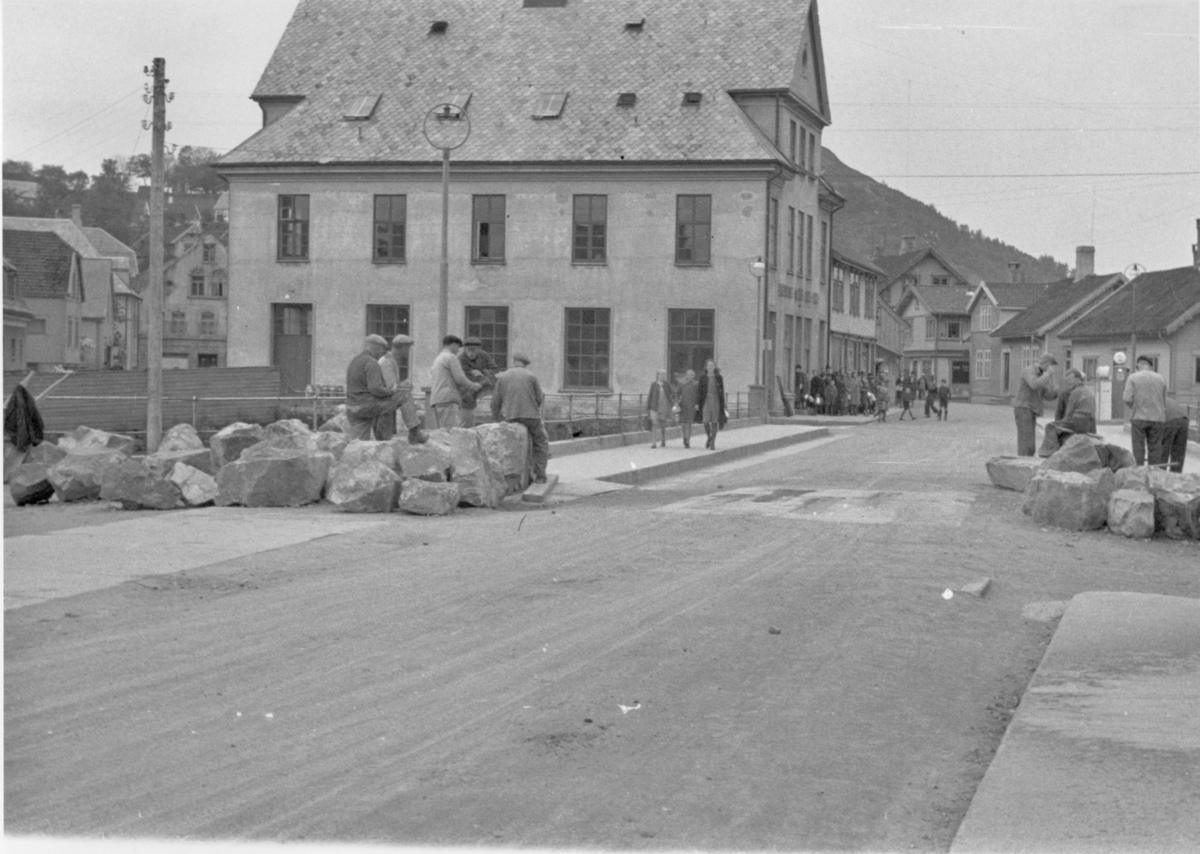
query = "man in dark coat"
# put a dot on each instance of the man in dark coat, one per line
(518, 398)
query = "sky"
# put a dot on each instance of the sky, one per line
(1046, 124)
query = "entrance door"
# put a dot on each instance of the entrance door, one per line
(291, 344)
(1005, 361)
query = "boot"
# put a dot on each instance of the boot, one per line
(417, 436)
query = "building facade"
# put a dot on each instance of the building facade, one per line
(991, 306)
(852, 313)
(938, 345)
(49, 275)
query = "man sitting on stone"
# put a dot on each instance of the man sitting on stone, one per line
(518, 398)
(1175, 435)
(477, 364)
(368, 399)
(389, 364)
(1075, 413)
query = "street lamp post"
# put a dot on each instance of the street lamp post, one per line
(1131, 273)
(446, 127)
(758, 269)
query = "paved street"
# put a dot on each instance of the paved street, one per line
(753, 656)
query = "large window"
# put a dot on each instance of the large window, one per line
(983, 364)
(986, 321)
(197, 282)
(208, 323)
(854, 297)
(389, 321)
(869, 300)
(293, 228)
(489, 323)
(216, 283)
(791, 267)
(930, 328)
(1090, 362)
(588, 338)
(808, 259)
(953, 330)
(591, 230)
(210, 252)
(690, 339)
(837, 300)
(178, 324)
(487, 244)
(773, 234)
(693, 229)
(391, 214)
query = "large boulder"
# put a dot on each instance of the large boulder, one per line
(1013, 472)
(361, 450)
(287, 427)
(45, 453)
(181, 437)
(78, 476)
(1115, 457)
(479, 485)
(87, 439)
(328, 442)
(198, 458)
(363, 485)
(228, 444)
(506, 446)
(337, 424)
(430, 461)
(1131, 513)
(1071, 500)
(197, 487)
(30, 483)
(139, 486)
(1079, 454)
(427, 498)
(1177, 514)
(275, 477)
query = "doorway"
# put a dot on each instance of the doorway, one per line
(291, 345)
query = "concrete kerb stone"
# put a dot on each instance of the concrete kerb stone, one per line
(569, 447)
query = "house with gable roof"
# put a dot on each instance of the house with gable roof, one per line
(49, 273)
(17, 319)
(925, 266)
(991, 305)
(938, 345)
(622, 172)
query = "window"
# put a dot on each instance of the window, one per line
(587, 347)
(208, 323)
(293, 228)
(488, 241)
(591, 230)
(941, 280)
(960, 372)
(693, 229)
(692, 99)
(197, 283)
(216, 283)
(1029, 357)
(690, 339)
(869, 300)
(837, 301)
(206, 360)
(808, 258)
(824, 249)
(791, 267)
(361, 107)
(210, 253)
(855, 296)
(953, 329)
(986, 321)
(773, 234)
(803, 161)
(550, 105)
(389, 321)
(1090, 362)
(626, 99)
(792, 139)
(178, 324)
(489, 323)
(391, 213)
(930, 328)
(812, 153)
(800, 246)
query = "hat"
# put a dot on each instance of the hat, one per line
(377, 339)
(402, 339)
(1145, 359)
(472, 340)
(522, 358)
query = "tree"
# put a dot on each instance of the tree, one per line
(110, 204)
(18, 170)
(192, 171)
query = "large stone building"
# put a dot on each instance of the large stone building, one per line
(626, 166)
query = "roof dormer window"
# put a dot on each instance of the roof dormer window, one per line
(691, 99)
(361, 108)
(550, 105)
(635, 26)
(437, 28)
(626, 99)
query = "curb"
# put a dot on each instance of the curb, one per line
(640, 476)
(570, 447)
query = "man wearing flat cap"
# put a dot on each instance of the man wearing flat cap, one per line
(478, 365)
(448, 384)
(518, 398)
(367, 395)
(1146, 402)
(392, 365)
(1035, 385)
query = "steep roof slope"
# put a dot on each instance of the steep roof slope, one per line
(42, 260)
(939, 299)
(1154, 303)
(335, 52)
(1057, 299)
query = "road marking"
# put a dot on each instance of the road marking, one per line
(855, 506)
(673, 483)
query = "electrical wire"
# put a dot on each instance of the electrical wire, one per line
(80, 122)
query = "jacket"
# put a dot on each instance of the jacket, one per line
(1034, 386)
(518, 394)
(655, 399)
(23, 425)
(722, 417)
(482, 363)
(364, 380)
(1146, 396)
(1078, 409)
(448, 379)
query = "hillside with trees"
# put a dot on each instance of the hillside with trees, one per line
(876, 217)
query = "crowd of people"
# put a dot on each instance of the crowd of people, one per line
(836, 393)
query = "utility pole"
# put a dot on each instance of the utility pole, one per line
(154, 287)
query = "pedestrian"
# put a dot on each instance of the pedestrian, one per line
(479, 366)
(800, 386)
(712, 403)
(689, 403)
(943, 398)
(864, 393)
(881, 399)
(368, 399)
(1035, 385)
(831, 394)
(661, 404)
(1075, 413)
(907, 389)
(448, 383)
(1146, 400)
(853, 393)
(1175, 435)
(518, 397)
(927, 391)
(390, 365)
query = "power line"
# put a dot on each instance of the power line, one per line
(81, 121)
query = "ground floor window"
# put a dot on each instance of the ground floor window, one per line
(206, 360)
(588, 343)
(691, 336)
(983, 364)
(960, 371)
(489, 323)
(389, 321)
(1089, 367)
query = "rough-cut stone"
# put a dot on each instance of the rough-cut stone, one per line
(77, 476)
(1137, 477)
(198, 458)
(30, 484)
(86, 439)
(1177, 514)
(228, 444)
(45, 453)
(431, 462)
(337, 424)
(363, 485)
(361, 450)
(1115, 457)
(181, 437)
(1156, 480)
(479, 485)
(1066, 499)
(1013, 472)
(1078, 454)
(506, 446)
(287, 427)
(274, 478)
(197, 487)
(1131, 513)
(139, 486)
(328, 442)
(427, 498)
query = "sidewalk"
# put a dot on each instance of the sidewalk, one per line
(1102, 754)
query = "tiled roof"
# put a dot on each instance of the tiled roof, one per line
(1154, 303)
(1057, 298)
(942, 299)
(42, 260)
(334, 52)
(110, 247)
(1016, 294)
(839, 254)
(66, 229)
(894, 266)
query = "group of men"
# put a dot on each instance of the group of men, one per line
(1158, 424)
(461, 374)
(835, 393)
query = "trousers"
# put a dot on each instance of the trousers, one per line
(1026, 431)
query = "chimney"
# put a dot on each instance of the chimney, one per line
(1085, 261)
(77, 215)
(1196, 247)
(907, 244)
(1014, 272)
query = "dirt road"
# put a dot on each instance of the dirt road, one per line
(756, 657)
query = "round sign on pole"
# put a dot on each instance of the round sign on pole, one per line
(1119, 358)
(446, 126)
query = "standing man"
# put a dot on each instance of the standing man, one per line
(448, 383)
(689, 402)
(478, 366)
(389, 364)
(1175, 435)
(1075, 413)
(518, 398)
(368, 399)
(1035, 385)
(1146, 398)
(943, 397)
(799, 387)
(927, 390)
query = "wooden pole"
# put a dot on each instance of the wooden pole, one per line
(154, 288)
